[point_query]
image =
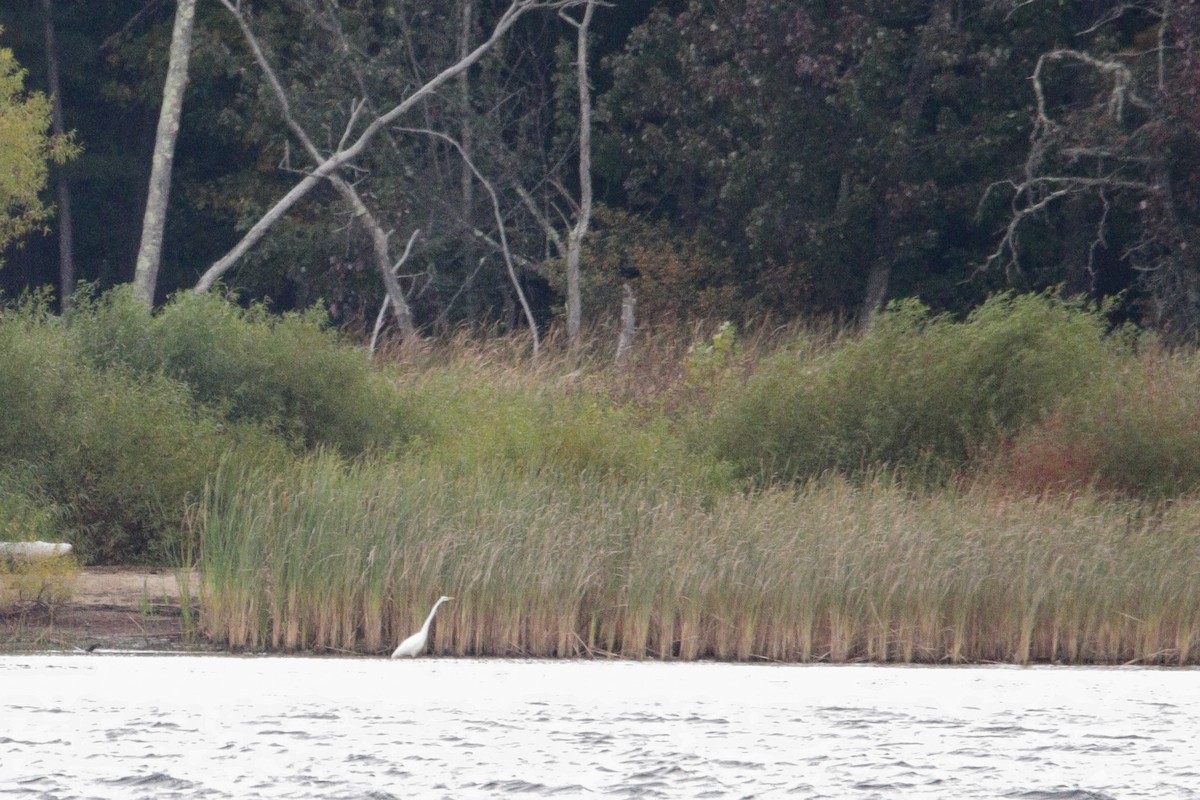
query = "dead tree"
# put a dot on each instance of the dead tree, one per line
(1114, 152)
(348, 149)
(379, 237)
(583, 215)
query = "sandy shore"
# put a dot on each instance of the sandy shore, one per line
(109, 608)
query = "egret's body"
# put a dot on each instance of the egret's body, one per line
(414, 644)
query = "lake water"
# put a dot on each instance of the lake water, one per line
(134, 726)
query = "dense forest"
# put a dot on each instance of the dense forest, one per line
(718, 159)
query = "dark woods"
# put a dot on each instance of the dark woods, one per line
(791, 157)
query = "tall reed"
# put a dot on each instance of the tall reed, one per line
(350, 556)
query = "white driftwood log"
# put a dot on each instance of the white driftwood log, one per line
(33, 551)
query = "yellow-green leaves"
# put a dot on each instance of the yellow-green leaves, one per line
(26, 148)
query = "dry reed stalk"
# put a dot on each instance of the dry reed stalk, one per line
(830, 570)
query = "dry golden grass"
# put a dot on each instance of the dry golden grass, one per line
(350, 558)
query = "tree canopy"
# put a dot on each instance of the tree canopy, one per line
(791, 157)
(26, 148)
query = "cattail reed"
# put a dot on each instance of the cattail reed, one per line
(349, 556)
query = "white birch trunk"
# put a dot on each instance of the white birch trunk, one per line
(153, 222)
(580, 229)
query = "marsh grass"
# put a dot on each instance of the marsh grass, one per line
(350, 556)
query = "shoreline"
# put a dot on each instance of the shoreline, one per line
(132, 610)
(110, 608)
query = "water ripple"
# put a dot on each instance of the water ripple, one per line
(219, 727)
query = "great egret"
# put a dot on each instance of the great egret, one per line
(414, 644)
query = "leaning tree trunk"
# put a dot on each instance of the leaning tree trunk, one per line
(334, 162)
(153, 222)
(379, 237)
(66, 225)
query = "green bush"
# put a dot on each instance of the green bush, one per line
(115, 456)
(36, 374)
(918, 392)
(286, 372)
(132, 453)
(118, 416)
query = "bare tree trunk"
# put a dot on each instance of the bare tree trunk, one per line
(580, 229)
(466, 141)
(916, 92)
(66, 225)
(379, 319)
(628, 323)
(328, 166)
(154, 221)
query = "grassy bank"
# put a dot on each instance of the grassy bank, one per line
(1018, 485)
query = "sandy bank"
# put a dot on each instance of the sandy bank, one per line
(109, 608)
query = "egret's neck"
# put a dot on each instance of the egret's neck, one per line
(429, 619)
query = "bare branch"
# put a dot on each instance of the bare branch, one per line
(550, 231)
(379, 242)
(1121, 76)
(129, 25)
(504, 248)
(516, 10)
(387, 299)
(356, 107)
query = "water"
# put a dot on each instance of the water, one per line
(126, 726)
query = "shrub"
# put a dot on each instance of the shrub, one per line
(287, 372)
(919, 392)
(26, 512)
(36, 372)
(114, 455)
(132, 453)
(476, 417)
(45, 582)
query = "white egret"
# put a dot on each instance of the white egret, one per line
(414, 644)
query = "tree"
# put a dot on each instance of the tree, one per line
(379, 237)
(1114, 154)
(26, 148)
(583, 215)
(66, 223)
(352, 146)
(834, 152)
(155, 218)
